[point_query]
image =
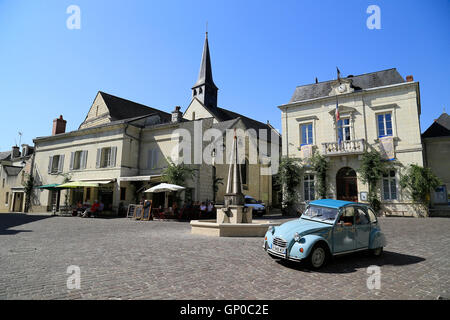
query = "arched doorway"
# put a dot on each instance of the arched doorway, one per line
(346, 184)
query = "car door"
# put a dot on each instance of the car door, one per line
(362, 228)
(344, 231)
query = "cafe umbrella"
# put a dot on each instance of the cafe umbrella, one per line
(165, 187)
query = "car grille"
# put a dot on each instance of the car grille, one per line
(279, 242)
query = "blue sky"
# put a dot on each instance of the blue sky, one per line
(149, 52)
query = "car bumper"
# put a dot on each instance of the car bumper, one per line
(282, 256)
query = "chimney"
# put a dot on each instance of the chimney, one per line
(15, 152)
(409, 78)
(176, 114)
(59, 126)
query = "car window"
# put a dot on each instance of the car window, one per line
(347, 216)
(322, 213)
(372, 216)
(250, 200)
(360, 216)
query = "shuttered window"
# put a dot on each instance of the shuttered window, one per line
(78, 160)
(56, 164)
(152, 158)
(106, 157)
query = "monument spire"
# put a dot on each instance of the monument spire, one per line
(234, 194)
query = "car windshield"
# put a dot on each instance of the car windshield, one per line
(320, 213)
(250, 200)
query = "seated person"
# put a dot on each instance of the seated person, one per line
(210, 210)
(101, 207)
(175, 208)
(347, 216)
(361, 218)
(92, 210)
(203, 209)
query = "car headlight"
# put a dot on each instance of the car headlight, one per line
(271, 229)
(296, 237)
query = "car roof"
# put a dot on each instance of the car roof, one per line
(331, 203)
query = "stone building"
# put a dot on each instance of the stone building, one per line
(15, 166)
(342, 118)
(436, 144)
(204, 106)
(122, 148)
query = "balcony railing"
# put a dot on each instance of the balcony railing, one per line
(343, 148)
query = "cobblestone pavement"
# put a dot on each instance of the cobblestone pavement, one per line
(124, 259)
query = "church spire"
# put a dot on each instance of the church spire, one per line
(204, 89)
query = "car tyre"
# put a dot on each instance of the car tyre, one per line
(318, 256)
(377, 252)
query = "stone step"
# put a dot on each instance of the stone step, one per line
(440, 211)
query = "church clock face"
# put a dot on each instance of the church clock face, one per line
(342, 88)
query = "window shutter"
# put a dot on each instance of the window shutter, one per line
(72, 156)
(155, 158)
(61, 163)
(149, 159)
(84, 159)
(113, 156)
(99, 158)
(50, 163)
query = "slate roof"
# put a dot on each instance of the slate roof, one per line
(222, 115)
(5, 155)
(120, 109)
(439, 128)
(359, 82)
(12, 170)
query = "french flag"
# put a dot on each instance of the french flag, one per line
(337, 112)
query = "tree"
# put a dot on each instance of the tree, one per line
(371, 171)
(176, 173)
(419, 181)
(320, 166)
(66, 178)
(29, 194)
(289, 177)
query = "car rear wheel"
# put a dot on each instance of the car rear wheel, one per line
(377, 252)
(318, 256)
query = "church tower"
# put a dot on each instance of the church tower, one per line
(204, 89)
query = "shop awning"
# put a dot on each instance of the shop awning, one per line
(82, 184)
(48, 186)
(139, 178)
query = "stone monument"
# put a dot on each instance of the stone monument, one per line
(234, 219)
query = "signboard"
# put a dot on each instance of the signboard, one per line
(147, 210)
(130, 211)
(138, 212)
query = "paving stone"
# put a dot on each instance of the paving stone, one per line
(122, 259)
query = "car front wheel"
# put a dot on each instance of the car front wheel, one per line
(318, 256)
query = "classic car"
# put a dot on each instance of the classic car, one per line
(326, 228)
(258, 208)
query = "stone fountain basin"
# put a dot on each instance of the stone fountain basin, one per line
(212, 228)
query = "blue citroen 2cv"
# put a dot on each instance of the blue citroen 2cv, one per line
(326, 228)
